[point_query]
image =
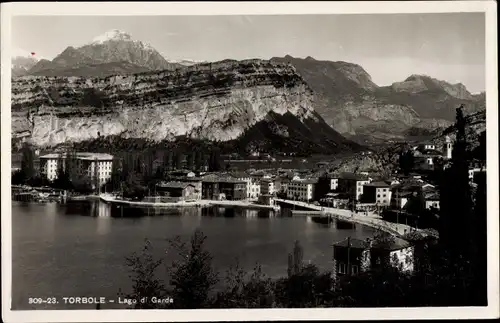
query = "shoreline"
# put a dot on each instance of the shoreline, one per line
(197, 203)
(373, 221)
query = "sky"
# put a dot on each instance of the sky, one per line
(390, 47)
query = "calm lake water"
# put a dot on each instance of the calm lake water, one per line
(79, 249)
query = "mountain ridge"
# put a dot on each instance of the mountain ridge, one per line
(350, 102)
(227, 101)
(111, 47)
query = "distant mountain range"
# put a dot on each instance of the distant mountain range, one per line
(114, 52)
(344, 94)
(348, 99)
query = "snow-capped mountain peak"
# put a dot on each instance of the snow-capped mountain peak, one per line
(112, 35)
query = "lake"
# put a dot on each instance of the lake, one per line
(78, 249)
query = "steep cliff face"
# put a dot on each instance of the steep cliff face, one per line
(220, 101)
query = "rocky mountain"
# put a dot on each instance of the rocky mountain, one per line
(475, 128)
(114, 51)
(22, 61)
(251, 104)
(385, 160)
(185, 62)
(354, 105)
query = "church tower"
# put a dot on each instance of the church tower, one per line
(448, 147)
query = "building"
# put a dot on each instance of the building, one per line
(216, 188)
(95, 165)
(352, 184)
(327, 183)
(301, 189)
(353, 256)
(178, 191)
(448, 148)
(409, 189)
(432, 201)
(188, 178)
(252, 193)
(266, 199)
(426, 146)
(233, 189)
(377, 192)
(267, 187)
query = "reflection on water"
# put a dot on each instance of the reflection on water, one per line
(79, 248)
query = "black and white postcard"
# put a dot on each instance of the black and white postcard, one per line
(249, 161)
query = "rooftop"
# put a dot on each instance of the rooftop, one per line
(434, 196)
(397, 244)
(80, 155)
(174, 185)
(378, 184)
(306, 181)
(353, 176)
(239, 175)
(354, 243)
(218, 179)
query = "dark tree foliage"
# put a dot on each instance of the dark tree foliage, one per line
(406, 161)
(214, 164)
(133, 186)
(295, 260)
(143, 269)
(62, 180)
(82, 184)
(27, 161)
(456, 202)
(118, 174)
(190, 160)
(199, 160)
(192, 276)
(459, 224)
(18, 177)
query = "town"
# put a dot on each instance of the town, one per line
(410, 196)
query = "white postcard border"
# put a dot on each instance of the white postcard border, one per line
(228, 8)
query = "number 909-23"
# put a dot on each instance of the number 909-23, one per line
(39, 300)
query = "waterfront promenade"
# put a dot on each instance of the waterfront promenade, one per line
(366, 218)
(108, 198)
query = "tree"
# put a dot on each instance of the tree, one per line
(214, 164)
(192, 276)
(190, 161)
(456, 202)
(406, 161)
(256, 291)
(27, 161)
(177, 159)
(18, 177)
(82, 184)
(62, 180)
(199, 160)
(295, 260)
(133, 186)
(118, 173)
(143, 274)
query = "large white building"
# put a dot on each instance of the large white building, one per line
(301, 189)
(90, 164)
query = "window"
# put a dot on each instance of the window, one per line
(354, 269)
(384, 195)
(342, 269)
(378, 195)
